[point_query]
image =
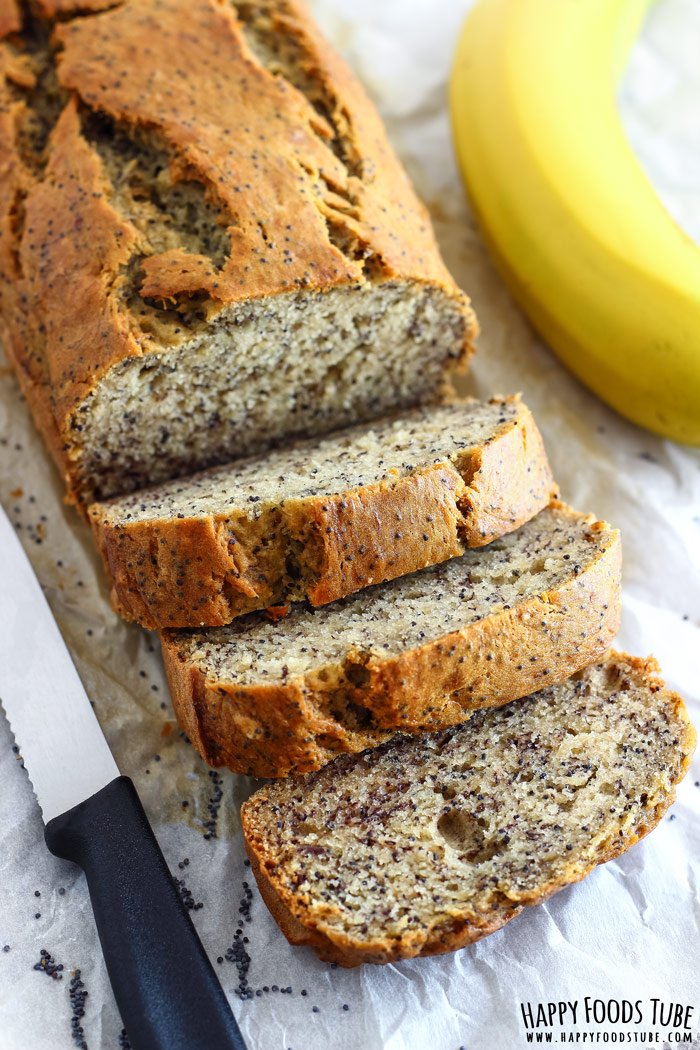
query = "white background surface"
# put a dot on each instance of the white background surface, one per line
(631, 929)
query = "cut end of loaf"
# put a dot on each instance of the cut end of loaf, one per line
(216, 267)
(258, 374)
(426, 844)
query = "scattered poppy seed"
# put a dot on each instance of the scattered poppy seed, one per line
(48, 965)
(187, 897)
(237, 953)
(214, 804)
(78, 995)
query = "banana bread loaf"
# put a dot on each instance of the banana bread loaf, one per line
(426, 844)
(325, 518)
(417, 652)
(207, 245)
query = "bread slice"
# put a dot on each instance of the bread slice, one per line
(325, 518)
(494, 624)
(209, 268)
(426, 844)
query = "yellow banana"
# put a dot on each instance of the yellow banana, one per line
(583, 241)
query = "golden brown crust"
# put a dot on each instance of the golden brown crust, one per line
(300, 922)
(220, 103)
(280, 731)
(69, 215)
(61, 8)
(272, 730)
(193, 571)
(10, 18)
(449, 937)
(19, 329)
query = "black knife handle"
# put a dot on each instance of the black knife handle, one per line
(166, 989)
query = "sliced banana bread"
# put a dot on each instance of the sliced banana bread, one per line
(428, 843)
(208, 246)
(325, 518)
(492, 625)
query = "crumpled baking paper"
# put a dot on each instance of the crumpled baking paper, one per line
(630, 930)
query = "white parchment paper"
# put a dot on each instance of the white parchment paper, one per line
(629, 931)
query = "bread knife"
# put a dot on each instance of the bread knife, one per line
(164, 984)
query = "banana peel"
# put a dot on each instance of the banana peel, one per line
(589, 252)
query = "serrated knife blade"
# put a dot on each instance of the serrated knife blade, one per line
(60, 739)
(165, 986)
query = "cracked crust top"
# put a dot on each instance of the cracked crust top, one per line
(261, 131)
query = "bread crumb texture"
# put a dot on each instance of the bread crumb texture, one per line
(325, 518)
(426, 844)
(207, 245)
(267, 698)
